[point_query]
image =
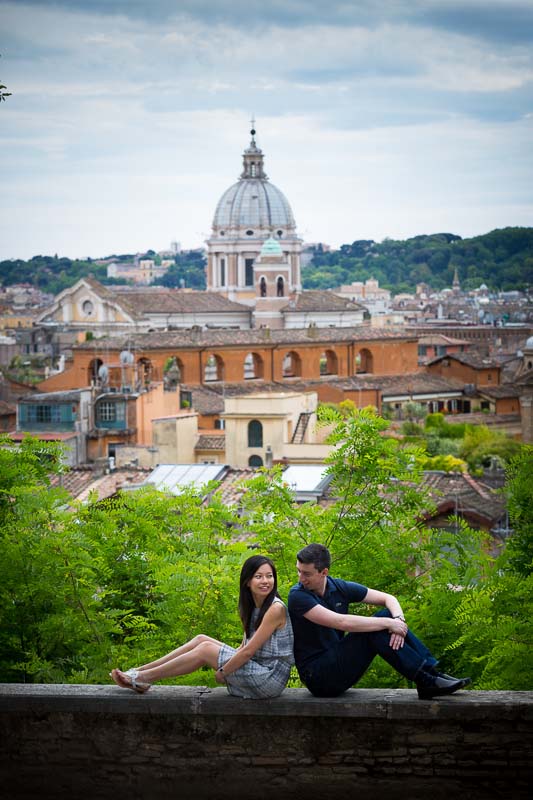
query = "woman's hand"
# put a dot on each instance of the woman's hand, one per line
(219, 677)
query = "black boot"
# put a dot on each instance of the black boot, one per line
(429, 685)
(434, 671)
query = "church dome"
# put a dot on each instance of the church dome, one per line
(253, 202)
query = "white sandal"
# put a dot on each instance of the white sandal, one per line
(132, 674)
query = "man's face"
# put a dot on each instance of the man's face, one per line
(310, 577)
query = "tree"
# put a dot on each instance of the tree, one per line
(520, 505)
(89, 586)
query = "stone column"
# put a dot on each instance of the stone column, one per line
(526, 413)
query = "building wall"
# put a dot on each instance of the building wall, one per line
(449, 368)
(278, 415)
(151, 404)
(385, 357)
(507, 405)
(175, 438)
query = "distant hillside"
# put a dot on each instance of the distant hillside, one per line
(53, 274)
(503, 259)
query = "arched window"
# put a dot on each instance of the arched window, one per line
(329, 363)
(280, 287)
(214, 368)
(292, 365)
(364, 361)
(94, 366)
(144, 371)
(253, 367)
(255, 433)
(263, 287)
(255, 461)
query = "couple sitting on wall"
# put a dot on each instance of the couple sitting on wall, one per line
(332, 649)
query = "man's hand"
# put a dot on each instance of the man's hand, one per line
(398, 629)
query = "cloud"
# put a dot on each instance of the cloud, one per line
(128, 119)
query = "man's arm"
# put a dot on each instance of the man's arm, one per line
(375, 598)
(353, 623)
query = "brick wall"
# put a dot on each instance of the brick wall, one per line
(192, 742)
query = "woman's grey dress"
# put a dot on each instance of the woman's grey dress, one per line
(267, 673)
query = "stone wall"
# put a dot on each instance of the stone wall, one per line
(192, 742)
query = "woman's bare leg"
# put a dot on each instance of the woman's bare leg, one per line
(204, 654)
(184, 648)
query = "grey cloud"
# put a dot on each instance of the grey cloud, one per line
(504, 22)
(496, 20)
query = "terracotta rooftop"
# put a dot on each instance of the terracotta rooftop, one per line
(211, 441)
(173, 301)
(67, 396)
(498, 392)
(470, 359)
(441, 339)
(230, 489)
(264, 337)
(210, 399)
(411, 383)
(454, 492)
(315, 300)
(7, 408)
(81, 481)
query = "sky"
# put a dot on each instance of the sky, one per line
(128, 118)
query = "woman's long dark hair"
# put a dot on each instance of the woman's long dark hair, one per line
(246, 600)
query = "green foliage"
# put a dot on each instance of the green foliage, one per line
(444, 463)
(89, 586)
(411, 429)
(520, 504)
(503, 259)
(481, 446)
(188, 271)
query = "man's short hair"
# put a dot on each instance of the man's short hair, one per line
(315, 554)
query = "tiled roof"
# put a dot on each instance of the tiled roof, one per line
(230, 490)
(7, 408)
(498, 391)
(204, 400)
(441, 339)
(81, 481)
(411, 383)
(184, 338)
(211, 441)
(210, 399)
(45, 436)
(471, 359)
(315, 300)
(67, 396)
(174, 301)
(459, 492)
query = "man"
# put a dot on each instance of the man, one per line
(328, 661)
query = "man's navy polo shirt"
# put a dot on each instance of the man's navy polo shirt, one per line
(312, 640)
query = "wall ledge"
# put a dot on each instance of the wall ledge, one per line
(203, 700)
(66, 741)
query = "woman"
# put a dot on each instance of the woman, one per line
(260, 667)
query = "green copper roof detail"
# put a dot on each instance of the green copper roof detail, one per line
(271, 247)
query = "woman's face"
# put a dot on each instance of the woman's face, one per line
(262, 583)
